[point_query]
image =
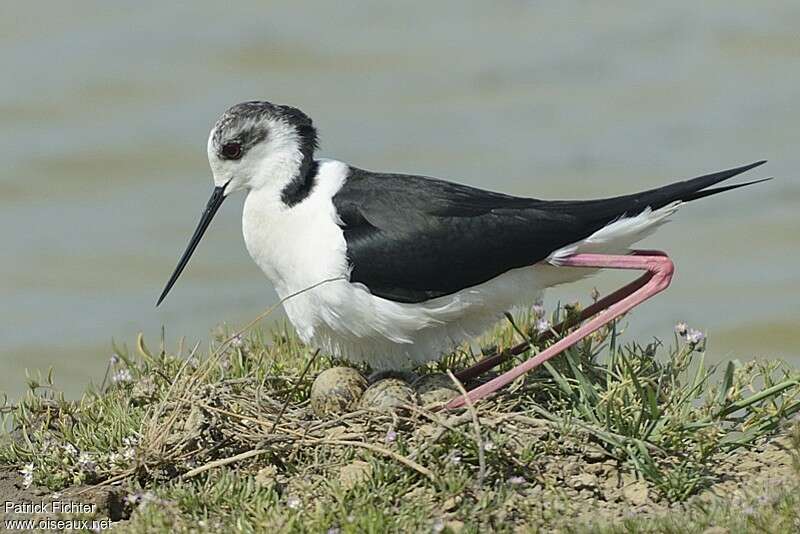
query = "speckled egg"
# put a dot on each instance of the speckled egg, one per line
(388, 394)
(336, 391)
(435, 389)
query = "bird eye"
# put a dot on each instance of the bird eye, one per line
(232, 150)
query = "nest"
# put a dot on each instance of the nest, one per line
(626, 430)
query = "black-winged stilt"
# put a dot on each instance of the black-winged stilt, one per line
(417, 265)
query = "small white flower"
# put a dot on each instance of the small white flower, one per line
(129, 454)
(516, 481)
(27, 475)
(121, 376)
(70, 449)
(681, 328)
(86, 462)
(130, 441)
(694, 336)
(455, 459)
(542, 326)
(293, 502)
(237, 341)
(538, 310)
(391, 436)
(488, 446)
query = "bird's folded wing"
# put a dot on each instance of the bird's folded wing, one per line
(412, 238)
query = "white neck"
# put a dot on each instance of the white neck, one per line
(297, 246)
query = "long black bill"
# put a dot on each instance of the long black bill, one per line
(211, 208)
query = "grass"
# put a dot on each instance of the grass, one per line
(607, 437)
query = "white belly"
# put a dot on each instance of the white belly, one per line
(301, 246)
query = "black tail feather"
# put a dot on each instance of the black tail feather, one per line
(691, 189)
(596, 213)
(709, 192)
(694, 185)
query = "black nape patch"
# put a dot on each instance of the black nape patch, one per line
(301, 185)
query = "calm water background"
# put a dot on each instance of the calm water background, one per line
(104, 113)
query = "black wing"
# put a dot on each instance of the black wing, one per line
(412, 238)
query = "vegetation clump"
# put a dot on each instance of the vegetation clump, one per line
(605, 434)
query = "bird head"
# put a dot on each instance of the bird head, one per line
(257, 144)
(253, 145)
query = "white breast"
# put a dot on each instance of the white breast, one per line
(300, 246)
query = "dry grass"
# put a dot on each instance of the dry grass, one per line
(229, 441)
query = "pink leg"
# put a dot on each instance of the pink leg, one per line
(494, 360)
(659, 270)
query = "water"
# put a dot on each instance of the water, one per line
(105, 111)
